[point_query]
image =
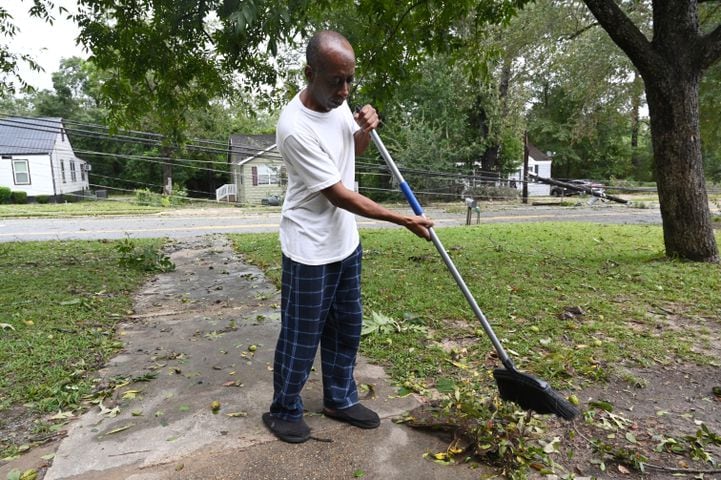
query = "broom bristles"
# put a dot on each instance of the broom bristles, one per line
(531, 393)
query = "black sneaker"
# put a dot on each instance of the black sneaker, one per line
(291, 432)
(357, 415)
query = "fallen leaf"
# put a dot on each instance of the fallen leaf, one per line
(6, 326)
(120, 429)
(368, 389)
(131, 394)
(30, 474)
(550, 447)
(74, 301)
(237, 414)
(108, 412)
(61, 415)
(623, 470)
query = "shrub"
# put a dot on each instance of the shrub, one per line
(146, 197)
(143, 257)
(19, 197)
(5, 195)
(42, 198)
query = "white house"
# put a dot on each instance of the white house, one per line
(36, 157)
(538, 163)
(256, 170)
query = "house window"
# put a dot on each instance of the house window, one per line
(73, 173)
(265, 175)
(62, 170)
(21, 172)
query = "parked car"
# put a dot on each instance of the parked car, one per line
(271, 200)
(558, 191)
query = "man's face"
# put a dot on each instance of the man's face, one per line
(330, 82)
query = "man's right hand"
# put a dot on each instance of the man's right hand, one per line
(419, 225)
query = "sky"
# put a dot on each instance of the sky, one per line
(46, 43)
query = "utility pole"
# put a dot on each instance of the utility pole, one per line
(525, 167)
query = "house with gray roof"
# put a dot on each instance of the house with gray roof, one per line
(36, 157)
(256, 169)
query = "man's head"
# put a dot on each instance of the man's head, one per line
(329, 70)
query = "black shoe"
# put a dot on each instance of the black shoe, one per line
(357, 415)
(291, 432)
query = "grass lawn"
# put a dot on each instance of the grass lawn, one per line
(59, 304)
(524, 277)
(122, 205)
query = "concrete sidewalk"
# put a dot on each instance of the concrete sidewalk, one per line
(206, 332)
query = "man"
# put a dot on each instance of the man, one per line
(318, 137)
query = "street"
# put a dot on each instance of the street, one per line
(191, 223)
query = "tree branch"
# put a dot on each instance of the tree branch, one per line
(577, 33)
(394, 30)
(710, 48)
(624, 33)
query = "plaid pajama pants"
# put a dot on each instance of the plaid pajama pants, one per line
(320, 305)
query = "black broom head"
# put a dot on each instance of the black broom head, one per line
(532, 393)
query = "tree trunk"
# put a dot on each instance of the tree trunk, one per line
(672, 64)
(673, 108)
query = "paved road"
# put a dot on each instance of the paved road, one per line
(191, 223)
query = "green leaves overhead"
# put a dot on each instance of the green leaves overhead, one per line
(168, 56)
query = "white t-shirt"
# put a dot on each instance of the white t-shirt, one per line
(319, 151)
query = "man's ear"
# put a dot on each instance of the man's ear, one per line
(308, 73)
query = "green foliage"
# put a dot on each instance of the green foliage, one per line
(383, 325)
(5, 195)
(19, 197)
(148, 198)
(42, 199)
(143, 257)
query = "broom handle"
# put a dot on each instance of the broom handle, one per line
(418, 210)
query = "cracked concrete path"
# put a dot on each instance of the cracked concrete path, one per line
(204, 333)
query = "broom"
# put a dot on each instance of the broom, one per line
(529, 392)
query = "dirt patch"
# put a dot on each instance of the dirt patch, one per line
(656, 413)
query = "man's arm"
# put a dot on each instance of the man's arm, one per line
(361, 205)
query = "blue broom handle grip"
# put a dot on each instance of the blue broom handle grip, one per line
(412, 200)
